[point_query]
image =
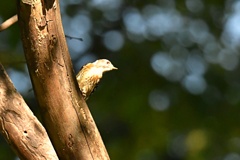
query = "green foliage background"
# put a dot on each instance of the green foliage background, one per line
(176, 93)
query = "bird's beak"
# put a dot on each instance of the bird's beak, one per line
(114, 68)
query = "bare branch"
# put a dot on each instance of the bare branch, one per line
(71, 37)
(8, 22)
(65, 114)
(23, 132)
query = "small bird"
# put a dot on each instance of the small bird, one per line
(90, 74)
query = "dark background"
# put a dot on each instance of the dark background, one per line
(176, 94)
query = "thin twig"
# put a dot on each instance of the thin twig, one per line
(8, 22)
(14, 19)
(70, 37)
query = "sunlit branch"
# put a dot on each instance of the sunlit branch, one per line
(8, 22)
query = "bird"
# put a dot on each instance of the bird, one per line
(90, 75)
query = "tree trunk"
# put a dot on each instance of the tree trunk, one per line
(66, 116)
(22, 130)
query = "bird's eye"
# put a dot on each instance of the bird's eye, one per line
(108, 62)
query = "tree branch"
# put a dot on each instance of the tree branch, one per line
(23, 132)
(8, 22)
(66, 116)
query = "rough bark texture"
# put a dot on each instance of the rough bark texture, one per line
(22, 130)
(66, 116)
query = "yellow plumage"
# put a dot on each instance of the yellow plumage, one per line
(90, 75)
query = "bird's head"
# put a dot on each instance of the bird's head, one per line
(104, 65)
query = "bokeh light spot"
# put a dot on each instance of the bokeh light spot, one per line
(195, 84)
(228, 59)
(196, 64)
(194, 5)
(196, 141)
(134, 21)
(160, 21)
(113, 40)
(20, 80)
(232, 156)
(166, 66)
(159, 100)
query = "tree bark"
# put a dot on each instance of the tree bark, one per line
(65, 114)
(22, 130)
